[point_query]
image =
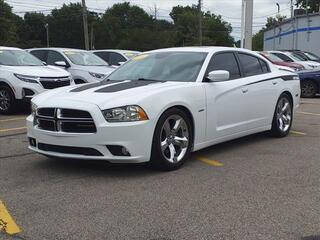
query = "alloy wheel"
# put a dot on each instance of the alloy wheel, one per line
(174, 138)
(308, 88)
(284, 114)
(4, 100)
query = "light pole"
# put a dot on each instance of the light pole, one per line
(278, 5)
(47, 30)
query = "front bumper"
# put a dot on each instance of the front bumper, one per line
(136, 137)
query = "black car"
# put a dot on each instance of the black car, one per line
(310, 83)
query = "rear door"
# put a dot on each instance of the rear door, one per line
(261, 90)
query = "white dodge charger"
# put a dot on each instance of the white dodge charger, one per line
(164, 104)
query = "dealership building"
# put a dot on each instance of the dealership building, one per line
(300, 32)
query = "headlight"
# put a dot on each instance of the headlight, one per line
(34, 108)
(28, 79)
(97, 75)
(125, 114)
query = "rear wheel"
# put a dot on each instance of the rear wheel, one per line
(7, 100)
(172, 140)
(282, 119)
(308, 89)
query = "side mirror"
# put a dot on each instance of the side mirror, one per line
(61, 64)
(218, 76)
(44, 63)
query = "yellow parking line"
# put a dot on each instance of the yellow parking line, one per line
(12, 129)
(210, 161)
(12, 119)
(308, 113)
(7, 224)
(298, 133)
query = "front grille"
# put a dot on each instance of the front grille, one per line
(69, 150)
(64, 120)
(51, 83)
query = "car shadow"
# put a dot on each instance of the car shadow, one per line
(104, 168)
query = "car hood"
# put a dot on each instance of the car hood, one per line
(105, 94)
(37, 71)
(96, 69)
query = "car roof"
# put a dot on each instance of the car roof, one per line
(116, 50)
(58, 49)
(207, 49)
(9, 48)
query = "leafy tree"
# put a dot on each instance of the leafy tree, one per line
(9, 23)
(257, 41)
(313, 5)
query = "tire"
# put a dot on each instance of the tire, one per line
(172, 140)
(282, 118)
(7, 100)
(309, 89)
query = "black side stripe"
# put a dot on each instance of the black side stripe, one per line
(284, 78)
(93, 85)
(125, 86)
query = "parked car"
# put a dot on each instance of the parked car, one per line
(310, 83)
(290, 57)
(115, 57)
(279, 62)
(164, 104)
(84, 66)
(22, 76)
(307, 56)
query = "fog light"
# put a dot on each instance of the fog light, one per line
(125, 151)
(32, 142)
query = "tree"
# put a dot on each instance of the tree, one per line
(257, 41)
(313, 5)
(9, 23)
(186, 22)
(33, 30)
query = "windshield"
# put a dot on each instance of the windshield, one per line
(312, 56)
(84, 58)
(271, 57)
(18, 58)
(296, 57)
(162, 66)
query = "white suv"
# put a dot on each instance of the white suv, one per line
(23, 76)
(84, 66)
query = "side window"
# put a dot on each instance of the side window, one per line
(227, 62)
(41, 54)
(250, 64)
(53, 57)
(116, 58)
(104, 55)
(264, 66)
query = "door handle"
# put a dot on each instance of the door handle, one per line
(245, 90)
(274, 82)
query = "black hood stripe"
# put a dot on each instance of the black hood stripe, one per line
(93, 85)
(126, 85)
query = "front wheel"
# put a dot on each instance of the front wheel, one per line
(172, 140)
(282, 119)
(7, 100)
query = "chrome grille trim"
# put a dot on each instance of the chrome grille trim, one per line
(62, 124)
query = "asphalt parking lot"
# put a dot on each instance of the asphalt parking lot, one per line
(256, 187)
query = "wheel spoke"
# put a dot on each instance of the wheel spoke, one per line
(164, 145)
(180, 141)
(285, 107)
(281, 123)
(177, 125)
(172, 153)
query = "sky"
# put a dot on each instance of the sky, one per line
(230, 10)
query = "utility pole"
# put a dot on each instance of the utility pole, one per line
(200, 22)
(291, 8)
(47, 30)
(85, 24)
(92, 37)
(155, 12)
(246, 24)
